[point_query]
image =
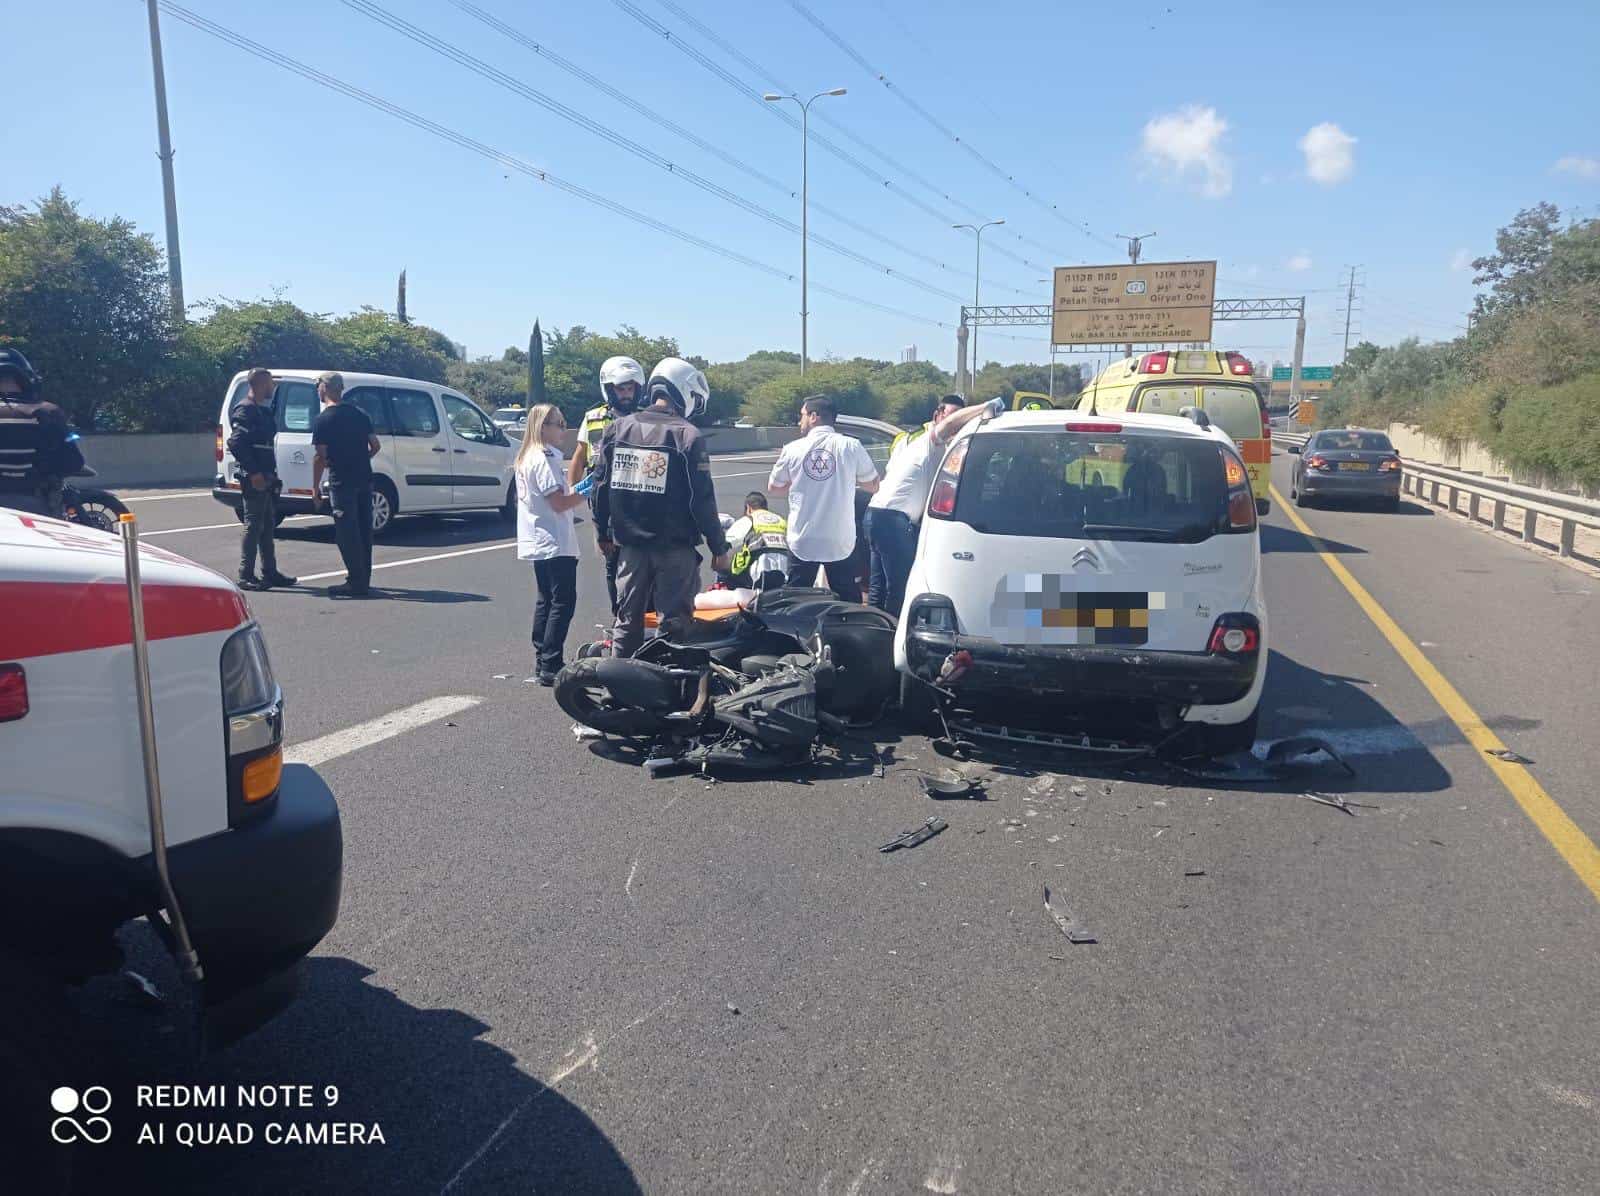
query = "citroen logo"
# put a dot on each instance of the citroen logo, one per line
(1085, 557)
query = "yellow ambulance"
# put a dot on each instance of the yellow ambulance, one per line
(1219, 383)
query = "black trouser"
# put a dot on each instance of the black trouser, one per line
(352, 530)
(894, 547)
(611, 580)
(260, 528)
(557, 579)
(842, 579)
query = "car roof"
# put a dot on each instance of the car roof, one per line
(351, 378)
(1172, 425)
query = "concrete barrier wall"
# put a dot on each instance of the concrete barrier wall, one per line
(189, 458)
(1474, 458)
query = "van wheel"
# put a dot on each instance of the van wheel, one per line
(1228, 738)
(384, 505)
(916, 702)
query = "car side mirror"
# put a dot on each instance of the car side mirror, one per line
(1294, 448)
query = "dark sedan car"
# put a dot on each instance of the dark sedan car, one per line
(1353, 463)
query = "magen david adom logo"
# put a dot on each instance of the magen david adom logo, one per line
(93, 1127)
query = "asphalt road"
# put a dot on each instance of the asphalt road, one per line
(552, 974)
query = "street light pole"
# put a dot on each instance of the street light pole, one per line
(805, 195)
(977, 279)
(168, 187)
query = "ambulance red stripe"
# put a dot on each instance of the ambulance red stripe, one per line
(46, 618)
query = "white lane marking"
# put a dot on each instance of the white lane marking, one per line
(376, 730)
(628, 885)
(415, 560)
(161, 497)
(1566, 1096)
(211, 527)
(490, 1141)
(591, 1051)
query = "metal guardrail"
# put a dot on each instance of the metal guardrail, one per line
(1426, 481)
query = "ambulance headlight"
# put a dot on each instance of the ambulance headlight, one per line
(247, 681)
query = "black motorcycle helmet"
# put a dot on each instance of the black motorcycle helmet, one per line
(14, 365)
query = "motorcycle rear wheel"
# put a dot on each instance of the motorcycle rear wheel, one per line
(587, 699)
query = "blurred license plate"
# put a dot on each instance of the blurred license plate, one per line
(1355, 466)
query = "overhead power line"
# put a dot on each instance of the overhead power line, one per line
(448, 50)
(546, 53)
(839, 152)
(899, 168)
(444, 133)
(901, 95)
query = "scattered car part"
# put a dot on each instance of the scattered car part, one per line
(912, 838)
(951, 789)
(1063, 922)
(1281, 755)
(1509, 756)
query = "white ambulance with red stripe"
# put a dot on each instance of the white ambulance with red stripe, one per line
(252, 846)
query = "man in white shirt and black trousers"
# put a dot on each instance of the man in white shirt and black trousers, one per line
(894, 516)
(819, 473)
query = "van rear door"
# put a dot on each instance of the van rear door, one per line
(1233, 407)
(1087, 539)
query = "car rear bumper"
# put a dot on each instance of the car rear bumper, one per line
(258, 897)
(1084, 675)
(1354, 485)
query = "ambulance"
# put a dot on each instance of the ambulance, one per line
(237, 858)
(1219, 383)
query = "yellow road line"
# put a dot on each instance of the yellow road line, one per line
(1582, 856)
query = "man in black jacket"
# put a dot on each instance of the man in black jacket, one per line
(654, 502)
(37, 449)
(253, 442)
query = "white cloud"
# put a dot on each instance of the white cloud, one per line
(1461, 261)
(1299, 262)
(1330, 154)
(1188, 144)
(1584, 168)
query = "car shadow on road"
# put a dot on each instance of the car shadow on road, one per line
(456, 1112)
(1287, 539)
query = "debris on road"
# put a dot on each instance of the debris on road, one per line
(1064, 920)
(1285, 752)
(140, 991)
(912, 838)
(1509, 756)
(732, 1008)
(1080, 791)
(1339, 803)
(951, 788)
(582, 733)
(1194, 871)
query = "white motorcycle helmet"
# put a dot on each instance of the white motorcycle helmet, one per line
(684, 386)
(621, 369)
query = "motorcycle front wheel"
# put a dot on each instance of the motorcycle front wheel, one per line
(584, 695)
(98, 509)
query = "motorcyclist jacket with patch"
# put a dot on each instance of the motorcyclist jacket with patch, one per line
(653, 485)
(36, 447)
(760, 534)
(254, 437)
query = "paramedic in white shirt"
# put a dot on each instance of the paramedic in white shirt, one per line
(819, 473)
(546, 535)
(894, 515)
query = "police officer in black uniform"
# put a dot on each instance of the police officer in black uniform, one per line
(253, 443)
(37, 449)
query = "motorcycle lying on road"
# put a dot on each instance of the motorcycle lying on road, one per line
(749, 691)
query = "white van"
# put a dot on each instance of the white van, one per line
(440, 452)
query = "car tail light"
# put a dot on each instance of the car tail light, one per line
(1241, 509)
(1237, 474)
(1236, 635)
(1266, 423)
(931, 612)
(1094, 427)
(942, 502)
(13, 693)
(1316, 461)
(1154, 363)
(1389, 466)
(1239, 364)
(219, 443)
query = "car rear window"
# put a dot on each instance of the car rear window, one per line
(1362, 442)
(1110, 486)
(1234, 409)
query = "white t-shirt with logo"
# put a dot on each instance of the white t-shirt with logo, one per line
(821, 470)
(542, 531)
(909, 476)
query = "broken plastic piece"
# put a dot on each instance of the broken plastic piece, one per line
(1509, 756)
(1064, 924)
(1280, 754)
(581, 732)
(956, 749)
(141, 991)
(908, 839)
(958, 789)
(1194, 871)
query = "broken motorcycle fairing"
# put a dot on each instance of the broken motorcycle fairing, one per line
(752, 690)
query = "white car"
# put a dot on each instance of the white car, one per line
(510, 420)
(440, 452)
(1094, 573)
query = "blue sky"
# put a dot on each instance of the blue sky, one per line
(1226, 128)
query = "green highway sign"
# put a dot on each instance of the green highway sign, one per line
(1319, 373)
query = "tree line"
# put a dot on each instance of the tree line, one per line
(1524, 380)
(86, 299)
